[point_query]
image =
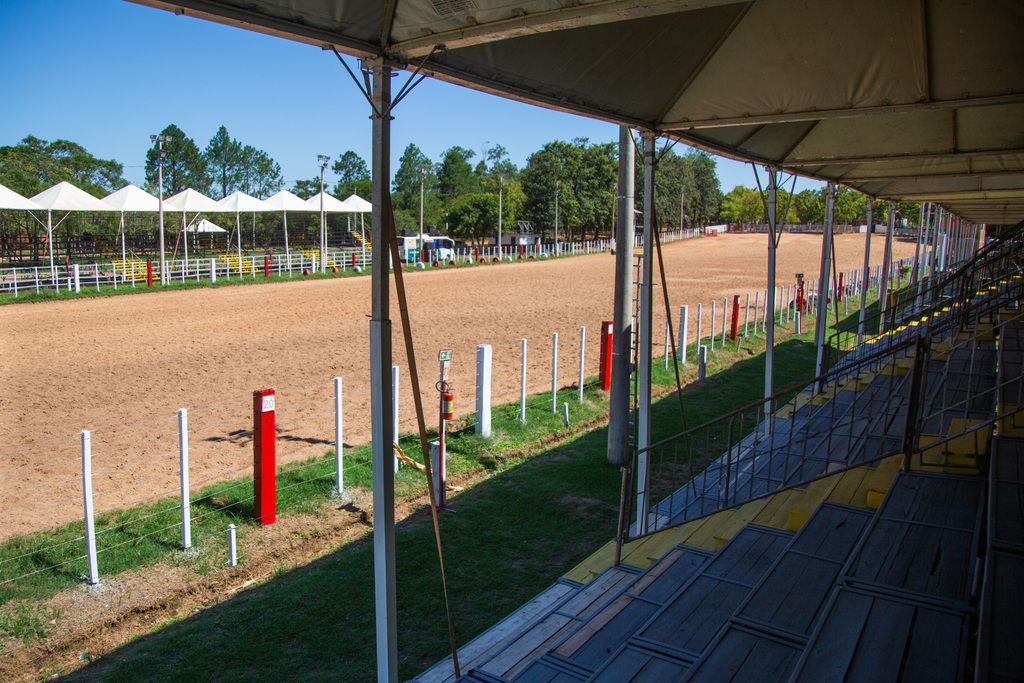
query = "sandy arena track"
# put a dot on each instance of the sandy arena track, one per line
(122, 366)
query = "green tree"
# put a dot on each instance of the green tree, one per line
(455, 176)
(33, 165)
(259, 175)
(306, 188)
(707, 200)
(809, 206)
(474, 217)
(224, 162)
(405, 191)
(184, 166)
(353, 176)
(743, 205)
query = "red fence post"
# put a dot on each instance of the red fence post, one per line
(606, 355)
(353, 260)
(839, 292)
(149, 273)
(266, 266)
(735, 314)
(264, 486)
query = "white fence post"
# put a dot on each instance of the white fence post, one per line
(394, 409)
(14, 279)
(78, 283)
(522, 386)
(757, 302)
(725, 315)
(713, 313)
(90, 526)
(746, 317)
(232, 553)
(186, 512)
(213, 270)
(554, 372)
(667, 352)
(483, 390)
(583, 340)
(700, 316)
(338, 443)
(702, 362)
(684, 324)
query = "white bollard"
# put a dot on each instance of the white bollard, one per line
(394, 409)
(14, 280)
(757, 302)
(668, 350)
(684, 323)
(483, 390)
(583, 339)
(700, 315)
(186, 512)
(565, 414)
(78, 284)
(725, 313)
(232, 551)
(522, 386)
(437, 473)
(90, 525)
(799, 328)
(554, 373)
(702, 362)
(338, 438)
(713, 315)
(213, 270)
(746, 317)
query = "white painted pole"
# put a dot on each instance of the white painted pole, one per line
(702, 362)
(565, 413)
(78, 284)
(554, 373)
(583, 339)
(667, 350)
(700, 315)
(338, 438)
(714, 310)
(394, 409)
(483, 390)
(746, 316)
(684, 323)
(522, 386)
(757, 302)
(232, 548)
(14, 280)
(213, 270)
(90, 526)
(725, 314)
(186, 512)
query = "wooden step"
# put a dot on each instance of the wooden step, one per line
(880, 480)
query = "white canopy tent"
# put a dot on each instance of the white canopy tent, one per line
(190, 201)
(325, 203)
(9, 199)
(362, 206)
(65, 197)
(239, 201)
(284, 201)
(205, 226)
(131, 198)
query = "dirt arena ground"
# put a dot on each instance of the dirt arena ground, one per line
(122, 366)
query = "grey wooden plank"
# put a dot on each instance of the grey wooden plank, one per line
(792, 595)
(691, 619)
(739, 655)
(632, 663)
(952, 501)
(748, 554)
(595, 649)
(542, 671)
(832, 531)
(1002, 617)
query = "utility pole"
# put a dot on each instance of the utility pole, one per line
(423, 174)
(323, 226)
(160, 140)
(501, 189)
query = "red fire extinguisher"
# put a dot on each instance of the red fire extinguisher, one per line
(447, 404)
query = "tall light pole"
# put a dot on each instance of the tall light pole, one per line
(501, 189)
(323, 226)
(558, 185)
(160, 140)
(423, 174)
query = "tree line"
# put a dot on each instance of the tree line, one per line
(747, 205)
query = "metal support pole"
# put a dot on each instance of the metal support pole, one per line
(583, 343)
(890, 225)
(522, 387)
(643, 369)
(381, 388)
(821, 320)
(684, 324)
(554, 373)
(769, 301)
(622, 328)
(338, 438)
(90, 524)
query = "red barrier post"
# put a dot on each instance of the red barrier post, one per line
(839, 292)
(266, 266)
(735, 314)
(149, 273)
(477, 256)
(606, 355)
(264, 488)
(353, 260)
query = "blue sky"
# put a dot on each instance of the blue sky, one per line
(108, 73)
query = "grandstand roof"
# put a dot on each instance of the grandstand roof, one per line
(916, 100)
